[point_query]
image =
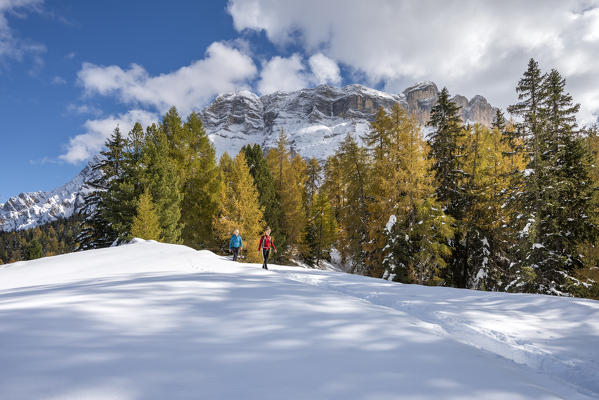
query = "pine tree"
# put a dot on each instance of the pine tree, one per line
(146, 224)
(240, 207)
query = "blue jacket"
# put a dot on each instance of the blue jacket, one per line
(235, 241)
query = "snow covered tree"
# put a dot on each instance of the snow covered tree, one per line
(97, 230)
(414, 240)
(239, 206)
(556, 204)
(146, 224)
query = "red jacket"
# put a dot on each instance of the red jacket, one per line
(266, 242)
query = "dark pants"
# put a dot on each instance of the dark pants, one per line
(265, 253)
(235, 253)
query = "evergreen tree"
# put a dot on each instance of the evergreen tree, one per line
(313, 175)
(97, 231)
(34, 250)
(447, 154)
(240, 207)
(146, 224)
(267, 193)
(202, 186)
(163, 183)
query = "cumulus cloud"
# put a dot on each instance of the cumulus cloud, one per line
(288, 74)
(223, 68)
(469, 46)
(324, 69)
(282, 74)
(11, 46)
(85, 145)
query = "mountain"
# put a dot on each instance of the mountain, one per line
(28, 210)
(316, 120)
(159, 321)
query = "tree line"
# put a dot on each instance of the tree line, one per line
(511, 207)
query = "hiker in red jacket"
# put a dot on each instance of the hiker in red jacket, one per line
(266, 243)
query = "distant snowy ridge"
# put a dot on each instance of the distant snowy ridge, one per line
(316, 120)
(28, 210)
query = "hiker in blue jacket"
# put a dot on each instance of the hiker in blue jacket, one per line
(235, 244)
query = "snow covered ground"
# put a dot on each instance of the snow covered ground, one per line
(157, 321)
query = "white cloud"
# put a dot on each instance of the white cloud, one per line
(324, 69)
(288, 74)
(58, 80)
(223, 69)
(469, 46)
(83, 109)
(85, 145)
(11, 46)
(282, 74)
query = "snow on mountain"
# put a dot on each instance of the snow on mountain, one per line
(28, 210)
(155, 321)
(316, 120)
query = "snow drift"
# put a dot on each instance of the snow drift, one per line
(156, 321)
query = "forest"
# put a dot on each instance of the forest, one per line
(511, 207)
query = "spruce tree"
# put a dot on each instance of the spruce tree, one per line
(267, 193)
(97, 230)
(447, 155)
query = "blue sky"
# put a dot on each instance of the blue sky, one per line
(71, 70)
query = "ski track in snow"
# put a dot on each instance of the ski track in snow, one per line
(156, 321)
(454, 322)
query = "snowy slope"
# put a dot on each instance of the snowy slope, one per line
(157, 321)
